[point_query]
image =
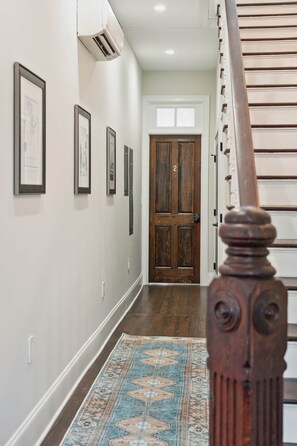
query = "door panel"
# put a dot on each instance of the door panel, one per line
(175, 165)
(163, 178)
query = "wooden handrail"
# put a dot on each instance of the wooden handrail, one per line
(247, 307)
(247, 179)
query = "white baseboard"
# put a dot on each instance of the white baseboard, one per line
(35, 427)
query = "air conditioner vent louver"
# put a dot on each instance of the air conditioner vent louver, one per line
(105, 46)
(99, 30)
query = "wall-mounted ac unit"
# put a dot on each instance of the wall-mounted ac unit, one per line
(98, 29)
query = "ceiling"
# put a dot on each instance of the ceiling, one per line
(186, 26)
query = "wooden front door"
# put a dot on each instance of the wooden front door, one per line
(174, 239)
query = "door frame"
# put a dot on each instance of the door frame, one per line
(148, 128)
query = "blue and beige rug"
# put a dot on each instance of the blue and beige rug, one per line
(152, 391)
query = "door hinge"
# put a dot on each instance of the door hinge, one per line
(221, 146)
(215, 266)
(215, 212)
(214, 158)
(221, 218)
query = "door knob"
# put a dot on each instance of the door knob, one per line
(196, 218)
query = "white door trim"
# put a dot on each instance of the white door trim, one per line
(203, 130)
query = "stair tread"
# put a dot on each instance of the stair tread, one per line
(290, 390)
(285, 243)
(269, 86)
(291, 68)
(266, 39)
(279, 207)
(275, 150)
(270, 104)
(292, 332)
(277, 177)
(289, 282)
(274, 126)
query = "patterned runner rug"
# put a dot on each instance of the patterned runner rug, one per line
(152, 391)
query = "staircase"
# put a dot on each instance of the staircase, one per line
(268, 32)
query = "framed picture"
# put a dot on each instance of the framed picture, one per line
(29, 132)
(131, 210)
(82, 151)
(126, 171)
(110, 161)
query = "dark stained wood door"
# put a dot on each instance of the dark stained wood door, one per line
(174, 239)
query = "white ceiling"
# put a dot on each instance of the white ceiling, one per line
(187, 26)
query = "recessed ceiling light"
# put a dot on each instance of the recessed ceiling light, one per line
(160, 8)
(169, 52)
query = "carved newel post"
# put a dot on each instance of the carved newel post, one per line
(246, 337)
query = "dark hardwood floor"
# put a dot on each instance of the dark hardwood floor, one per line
(160, 310)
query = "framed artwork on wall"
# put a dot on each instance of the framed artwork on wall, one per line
(110, 161)
(131, 210)
(126, 171)
(82, 151)
(29, 132)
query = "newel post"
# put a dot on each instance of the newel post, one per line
(246, 337)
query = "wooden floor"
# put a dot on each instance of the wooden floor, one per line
(160, 310)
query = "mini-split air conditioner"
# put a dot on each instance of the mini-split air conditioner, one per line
(98, 29)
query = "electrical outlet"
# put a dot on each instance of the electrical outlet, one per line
(129, 265)
(30, 347)
(103, 290)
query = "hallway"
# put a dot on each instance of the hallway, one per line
(160, 310)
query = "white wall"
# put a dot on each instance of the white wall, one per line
(190, 83)
(57, 248)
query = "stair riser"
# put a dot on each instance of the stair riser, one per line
(268, 33)
(276, 164)
(275, 138)
(290, 417)
(276, 77)
(292, 307)
(269, 47)
(263, 61)
(273, 115)
(284, 261)
(280, 192)
(272, 95)
(285, 223)
(291, 360)
(276, 9)
(267, 21)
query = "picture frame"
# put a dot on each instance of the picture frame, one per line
(82, 151)
(126, 171)
(29, 132)
(131, 205)
(110, 161)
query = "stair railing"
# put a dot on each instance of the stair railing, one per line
(247, 307)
